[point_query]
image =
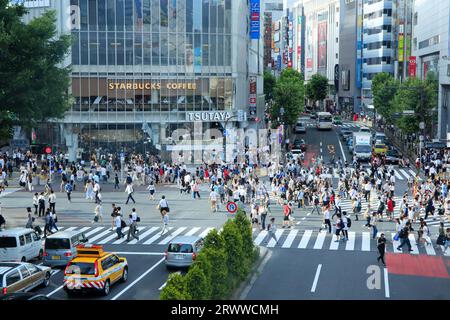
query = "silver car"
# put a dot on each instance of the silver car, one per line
(60, 248)
(182, 251)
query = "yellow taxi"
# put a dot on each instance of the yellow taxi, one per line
(94, 270)
(380, 148)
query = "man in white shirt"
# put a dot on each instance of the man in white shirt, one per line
(133, 225)
(52, 201)
(213, 198)
(129, 190)
(118, 226)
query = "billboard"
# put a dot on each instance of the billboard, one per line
(412, 67)
(252, 97)
(401, 45)
(255, 13)
(322, 45)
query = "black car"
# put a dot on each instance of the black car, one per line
(392, 157)
(299, 144)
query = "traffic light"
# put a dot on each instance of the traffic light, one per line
(47, 150)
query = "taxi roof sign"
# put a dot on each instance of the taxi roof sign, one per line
(89, 250)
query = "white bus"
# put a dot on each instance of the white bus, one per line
(324, 121)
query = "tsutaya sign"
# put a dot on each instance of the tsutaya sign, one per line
(149, 85)
(208, 116)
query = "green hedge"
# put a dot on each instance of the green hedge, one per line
(224, 262)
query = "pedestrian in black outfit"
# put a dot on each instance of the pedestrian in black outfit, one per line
(116, 182)
(381, 245)
(41, 205)
(404, 233)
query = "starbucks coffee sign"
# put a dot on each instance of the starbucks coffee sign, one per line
(208, 116)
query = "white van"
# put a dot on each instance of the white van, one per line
(20, 244)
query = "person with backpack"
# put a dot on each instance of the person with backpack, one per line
(338, 226)
(381, 207)
(404, 237)
(133, 225)
(316, 204)
(381, 246)
(347, 224)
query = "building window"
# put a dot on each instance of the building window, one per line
(337, 39)
(415, 19)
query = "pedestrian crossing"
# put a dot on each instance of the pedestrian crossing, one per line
(286, 239)
(8, 191)
(400, 173)
(344, 125)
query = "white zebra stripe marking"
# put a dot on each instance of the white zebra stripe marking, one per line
(305, 239)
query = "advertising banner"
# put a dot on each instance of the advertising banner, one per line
(412, 66)
(252, 97)
(255, 13)
(309, 63)
(322, 45)
(400, 47)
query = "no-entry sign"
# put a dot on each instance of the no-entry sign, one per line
(232, 207)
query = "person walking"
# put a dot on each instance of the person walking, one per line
(151, 189)
(41, 200)
(98, 213)
(163, 206)
(263, 214)
(374, 223)
(326, 218)
(30, 221)
(316, 204)
(133, 225)
(68, 188)
(347, 223)
(129, 190)
(338, 226)
(116, 182)
(213, 196)
(381, 246)
(272, 228)
(357, 207)
(165, 221)
(52, 201)
(36, 203)
(404, 237)
(2, 222)
(48, 224)
(119, 224)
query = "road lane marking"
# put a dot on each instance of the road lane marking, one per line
(205, 233)
(109, 238)
(350, 245)
(305, 239)
(55, 291)
(316, 278)
(278, 235)
(404, 173)
(334, 245)
(320, 239)
(100, 235)
(141, 253)
(138, 279)
(143, 235)
(342, 150)
(430, 250)
(397, 175)
(155, 237)
(173, 235)
(260, 237)
(365, 241)
(83, 229)
(124, 231)
(412, 239)
(386, 284)
(290, 238)
(69, 229)
(93, 231)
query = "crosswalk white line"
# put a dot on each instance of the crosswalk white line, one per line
(404, 173)
(83, 229)
(100, 235)
(98, 229)
(334, 245)
(290, 238)
(69, 229)
(155, 237)
(414, 174)
(205, 233)
(143, 235)
(350, 245)
(124, 231)
(305, 239)
(397, 175)
(430, 250)
(173, 235)
(194, 231)
(365, 241)
(395, 244)
(414, 247)
(112, 236)
(319, 240)
(261, 236)
(272, 242)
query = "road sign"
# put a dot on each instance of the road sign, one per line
(422, 125)
(232, 207)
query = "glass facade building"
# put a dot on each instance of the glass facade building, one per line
(141, 66)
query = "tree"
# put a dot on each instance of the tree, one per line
(237, 264)
(317, 88)
(197, 283)
(175, 289)
(214, 240)
(33, 88)
(219, 272)
(384, 89)
(420, 96)
(269, 84)
(245, 229)
(288, 94)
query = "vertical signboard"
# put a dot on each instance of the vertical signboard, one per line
(322, 45)
(400, 46)
(359, 25)
(255, 13)
(252, 97)
(412, 66)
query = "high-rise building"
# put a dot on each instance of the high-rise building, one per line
(272, 13)
(431, 54)
(142, 69)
